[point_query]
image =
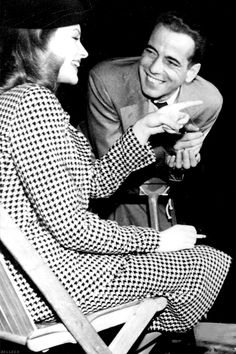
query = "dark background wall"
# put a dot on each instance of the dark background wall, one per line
(208, 195)
(121, 28)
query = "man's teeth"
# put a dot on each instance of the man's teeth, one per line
(154, 80)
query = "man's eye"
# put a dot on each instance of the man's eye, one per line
(172, 63)
(75, 38)
(149, 51)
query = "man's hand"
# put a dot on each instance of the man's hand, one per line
(190, 140)
(184, 159)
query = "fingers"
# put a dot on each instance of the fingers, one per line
(170, 160)
(182, 105)
(190, 235)
(178, 237)
(198, 157)
(188, 159)
(171, 128)
(183, 159)
(191, 127)
(179, 159)
(173, 124)
(189, 141)
(183, 118)
(192, 136)
(192, 158)
(171, 118)
(188, 228)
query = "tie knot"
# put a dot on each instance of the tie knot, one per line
(159, 104)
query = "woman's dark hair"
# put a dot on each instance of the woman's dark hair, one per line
(24, 59)
(187, 24)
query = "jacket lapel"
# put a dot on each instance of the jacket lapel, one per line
(131, 114)
(136, 104)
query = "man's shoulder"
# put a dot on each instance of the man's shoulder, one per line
(115, 67)
(203, 89)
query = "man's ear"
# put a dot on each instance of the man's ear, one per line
(192, 72)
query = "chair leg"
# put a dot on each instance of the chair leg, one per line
(136, 324)
(147, 343)
(153, 209)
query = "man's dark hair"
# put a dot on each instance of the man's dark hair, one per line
(187, 24)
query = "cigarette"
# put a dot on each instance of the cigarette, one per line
(201, 236)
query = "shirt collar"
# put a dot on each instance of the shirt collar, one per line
(173, 97)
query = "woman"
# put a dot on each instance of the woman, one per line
(48, 177)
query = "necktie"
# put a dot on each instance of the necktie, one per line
(159, 104)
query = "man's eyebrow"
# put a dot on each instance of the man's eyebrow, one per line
(169, 57)
(149, 46)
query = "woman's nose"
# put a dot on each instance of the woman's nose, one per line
(82, 51)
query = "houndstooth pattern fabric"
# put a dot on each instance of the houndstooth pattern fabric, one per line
(48, 178)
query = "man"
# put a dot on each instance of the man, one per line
(121, 91)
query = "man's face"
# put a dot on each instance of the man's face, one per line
(164, 64)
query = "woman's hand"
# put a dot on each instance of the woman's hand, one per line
(178, 237)
(167, 119)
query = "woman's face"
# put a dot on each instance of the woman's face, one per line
(66, 47)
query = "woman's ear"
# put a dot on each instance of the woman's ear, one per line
(192, 72)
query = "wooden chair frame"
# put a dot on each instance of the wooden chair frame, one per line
(17, 325)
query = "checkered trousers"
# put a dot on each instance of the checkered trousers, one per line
(48, 178)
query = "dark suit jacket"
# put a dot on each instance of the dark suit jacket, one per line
(115, 102)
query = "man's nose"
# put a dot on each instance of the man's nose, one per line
(156, 66)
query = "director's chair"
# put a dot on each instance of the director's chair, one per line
(17, 325)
